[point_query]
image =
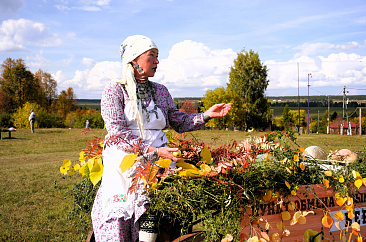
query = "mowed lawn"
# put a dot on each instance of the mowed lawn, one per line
(34, 203)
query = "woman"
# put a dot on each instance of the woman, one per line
(135, 111)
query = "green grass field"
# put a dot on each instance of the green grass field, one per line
(33, 193)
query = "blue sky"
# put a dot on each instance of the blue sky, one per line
(77, 41)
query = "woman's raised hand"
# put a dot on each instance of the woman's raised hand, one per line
(218, 110)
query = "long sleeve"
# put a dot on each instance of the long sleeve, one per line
(112, 109)
(179, 121)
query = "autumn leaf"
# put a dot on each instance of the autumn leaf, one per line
(326, 183)
(285, 216)
(296, 158)
(327, 221)
(268, 196)
(302, 166)
(328, 173)
(96, 172)
(358, 183)
(291, 206)
(341, 179)
(186, 165)
(206, 155)
(288, 185)
(280, 225)
(164, 163)
(128, 161)
(302, 219)
(356, 226)
(339, 216)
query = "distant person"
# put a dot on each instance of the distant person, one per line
(87, 124)
(32, 119)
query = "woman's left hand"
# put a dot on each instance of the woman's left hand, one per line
(218, 110)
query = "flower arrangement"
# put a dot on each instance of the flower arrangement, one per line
(217, 189)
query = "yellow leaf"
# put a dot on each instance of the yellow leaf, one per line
(82, 170)
(302, 150)
(64, 170)
(206, 155)
(326, 183)
(186, 165)
(302, 166)
(364, 181)
(268, 226)
(358, 183)
(190, 173)
(280, 225)
(287, 184)
(82, 157)
(96, 172)
(359, 239)
(307, 212)
(66, 163)
(341, 179)
(327, 221)
(71, 171)
(328, 173)
(293, 193)
(285, 216)
(339, 216)
(76, 167)
(296, 158)
(164, 163)
(291, 206)
(205, 169)
(128, 161)
(340, 200)
(268, 196)
(302, 219)
(356, 174)
(351, 215)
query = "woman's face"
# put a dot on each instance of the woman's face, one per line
(148, 62)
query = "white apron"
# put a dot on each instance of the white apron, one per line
(116, 200)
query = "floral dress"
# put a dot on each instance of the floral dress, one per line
(115, 211)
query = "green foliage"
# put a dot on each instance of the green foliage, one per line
(248, 79)
(21, 116)
(95, 121)
(46, 120)
(83, 194)
(222, 95)
(6, 121)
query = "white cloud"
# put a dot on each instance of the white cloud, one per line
(88, 62)
(15, 35)
(10, 7)
(334, 70)
(192, 64)
(91, 80)
(316, 48)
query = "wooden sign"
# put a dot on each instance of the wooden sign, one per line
(314, 201)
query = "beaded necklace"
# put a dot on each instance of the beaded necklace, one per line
(144, 92)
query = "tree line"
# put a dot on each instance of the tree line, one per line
(22, 90)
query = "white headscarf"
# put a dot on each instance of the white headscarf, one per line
(132, 47)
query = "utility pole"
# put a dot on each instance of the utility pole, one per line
(309, 74)
(328, 128)
(318, 124)
(298, 93)
(344, 97)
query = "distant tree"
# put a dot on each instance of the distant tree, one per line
(286, 119)
(248, 80)
(48, 90)
(188, 107)
(66, 102)
(18, 84)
